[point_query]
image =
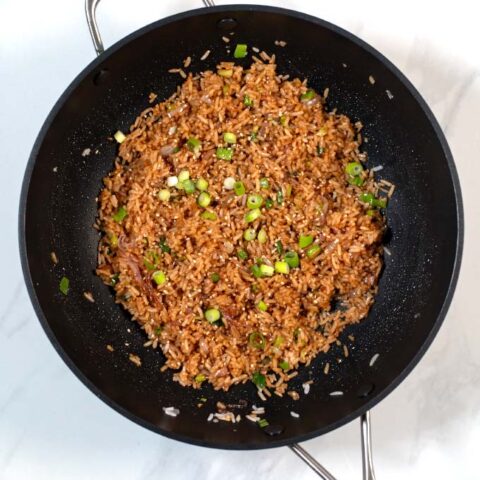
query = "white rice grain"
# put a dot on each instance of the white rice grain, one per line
(171, 411)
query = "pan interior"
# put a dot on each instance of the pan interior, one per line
(59, 209)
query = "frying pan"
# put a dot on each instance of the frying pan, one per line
(58, 207)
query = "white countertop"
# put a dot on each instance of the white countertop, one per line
(52, 427)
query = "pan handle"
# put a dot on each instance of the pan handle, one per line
(324, 474)
(90, 10)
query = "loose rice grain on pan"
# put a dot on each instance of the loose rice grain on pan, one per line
(162, 245)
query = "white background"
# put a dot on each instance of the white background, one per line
(52, 427)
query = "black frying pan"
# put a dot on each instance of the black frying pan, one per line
(58, 208)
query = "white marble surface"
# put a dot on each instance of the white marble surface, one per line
(52, 427)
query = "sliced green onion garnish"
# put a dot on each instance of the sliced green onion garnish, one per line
(188, 186)
(64, 285)
(158, 330)
(114, 279)
(252, 215)
(353, 169)
(305, 240)
(320, 150)
(225, 73)
(119, 136)
(201, 184)
(283, 120)
(313, 251)
(357, 181)
(370, 213)
(242, 254)
(279, 247)
(120, 214)
(215, 277)
(282, 267)
(164, 195)
(366, 198)
(200, 378)
(308, 95)
(240, 51)
(284, 365)
(204, 199)
(256, 271)
(278, 342)
(194, 144)
(268, 203)
(159, 277)
(247, 101)
(256, 340)
(258, 379)
(163, 245)
(279, 197)
(262, 423)
(267, 270)
(380, 202)
(229, 137)
(212, 315)
(224, 153)
(183, 175)
(113, 240)
(254, 201)
(292, 259)
(249, 234)
(208, 215)
(262, 236)
(262, 306)
(264, 183)
(239, 188)
(253, 136)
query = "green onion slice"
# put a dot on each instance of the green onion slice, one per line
(267, 270)
(254, 201)
(229, 137)
(308, 95)
(215, 277)
(262, 236)
(225, 153)
(305, 240)
(120, 214)
(262, 306)
(249, 234)
(194, 144)
(313, 251)
(64, 285)
(279, 247)
(247, 101)
(240, 51)
(201, 184)
(256, 340)
(282, 267)
(253, 215)
(239, 188)
(208, 215)
(242, 254)
(258, 379)
(212, 315)
(204, 199)
(284, 365)
(292, 259)
(353, 169)
(159, 277)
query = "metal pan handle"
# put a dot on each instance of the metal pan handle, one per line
(90, 10)
(368, 473)
(322, 472)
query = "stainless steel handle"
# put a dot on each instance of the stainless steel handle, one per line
(322, 472)
(90, 11)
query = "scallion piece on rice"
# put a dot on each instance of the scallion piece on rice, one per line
(263, 422)
(194, 144)
(249, 234)
(278, 342)
(229, 137)
(240, 51)
(120, 214)
(200, 378)
(224, 153)
(242, 254)
(305, 240)
(163, 245)
(262, 236)
(254, 201)
(188, 186)
(357, 181)
(313, 251)
(353, 169)
(253, 215)
(380, 202)
(268, 203)
(258, 379)
(164, 195)
(366, 198)
(119, 136)
(279, 247)
(284, 365)
(183, 175)
(64, 285)
(159, 277)
(264, 183)
(201, 184)
(215, 277)
(279, 197)
(204, 199)
(256, 340)
(212, 315)
(247, 101)
(256, 271)
(225, 73)
(308, 95)
(262, 306)
(282, 267)
(208, 215)
(267, 270)
(292, 259)
(239, 188)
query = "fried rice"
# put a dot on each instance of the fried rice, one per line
(310, 263)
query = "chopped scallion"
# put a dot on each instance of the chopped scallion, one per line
(256, 271)
(353, 169)
(262, 423)
(225, 73)
(242, 254)
(240, 51)
(262, 306)
(194, 144)
(282, 267)
(201, 184)
(313, 251)
(200, 378)
(239, 188)
(254, 201)
(120, 214)
(253, 215)
(305, 240)
(159, 277)
(188, 186)
(163, 245)
(249, 234)
(308, 95)
(247, 101)
(229, 137)
(264, 183)
(268, 203)
(262, 236)
(208, 215)
(278, 342)
(258, 379)
(284, 365)
(119, 136)
(212, 315)
(113, 240)
(224, 153)
(229, 183)
(64, 285)
(292, 259)
(266, 270)
(279, 197)
(256, 340)
(164, 195)
(183, 175)
(279, 247)
(320, 150)
(215, 277)
(204, 199)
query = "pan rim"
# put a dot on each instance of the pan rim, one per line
(272, 442)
